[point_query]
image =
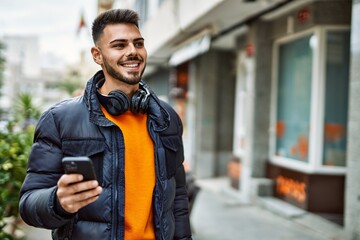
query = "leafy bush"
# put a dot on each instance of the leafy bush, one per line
(14, 152)
(15, 144)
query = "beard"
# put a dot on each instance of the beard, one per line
(132, 80)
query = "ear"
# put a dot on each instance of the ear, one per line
(96, 53)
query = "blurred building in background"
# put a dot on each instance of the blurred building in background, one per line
(104, 5)
(267, 90)
(27, 72)
(47, 77)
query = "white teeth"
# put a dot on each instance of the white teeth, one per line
(130, 65)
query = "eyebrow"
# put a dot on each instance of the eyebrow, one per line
(126, 40)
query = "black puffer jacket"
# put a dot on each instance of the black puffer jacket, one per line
(77, 127)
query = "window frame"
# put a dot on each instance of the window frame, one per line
(317, 103)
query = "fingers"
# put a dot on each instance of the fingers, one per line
(74, 194)
(73, 208)
(68, 179)
(76, 189)
(72, 203)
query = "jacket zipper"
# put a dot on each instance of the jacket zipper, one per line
(114, 210)
(118, 229)
(157, 175)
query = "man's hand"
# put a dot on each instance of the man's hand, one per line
(74, 194)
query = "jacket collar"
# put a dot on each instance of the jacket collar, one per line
(158, 117)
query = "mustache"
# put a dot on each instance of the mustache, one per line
(132, 58)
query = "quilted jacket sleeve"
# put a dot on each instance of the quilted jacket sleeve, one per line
(182, 223)
(37, 195)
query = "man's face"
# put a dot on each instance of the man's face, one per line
(122, 51)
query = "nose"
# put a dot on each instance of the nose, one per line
(131, 51)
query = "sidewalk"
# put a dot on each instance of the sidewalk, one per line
(216, 215)
(33, 233)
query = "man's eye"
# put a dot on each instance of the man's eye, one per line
(119, 45)
(139, 44)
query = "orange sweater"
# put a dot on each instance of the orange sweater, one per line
(139, 174)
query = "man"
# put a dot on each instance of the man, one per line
(133, 139)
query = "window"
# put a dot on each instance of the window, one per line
(310, 100)
(293, 99)
(336, 97)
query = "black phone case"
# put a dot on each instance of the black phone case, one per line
(80, 165)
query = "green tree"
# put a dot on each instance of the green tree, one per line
(14, 152)
(25, 109)
(71, 82)
(69, 86)
(15, 145)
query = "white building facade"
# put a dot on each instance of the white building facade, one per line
(271, 85)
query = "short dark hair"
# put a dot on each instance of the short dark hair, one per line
(113, 16)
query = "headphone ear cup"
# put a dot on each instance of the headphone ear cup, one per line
(117, 103)
(144, 104)
(139, 102)
(135, 101)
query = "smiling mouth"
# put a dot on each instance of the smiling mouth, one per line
(132, 65)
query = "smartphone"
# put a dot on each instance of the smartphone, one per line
(80, 165)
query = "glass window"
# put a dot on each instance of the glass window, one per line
(294, 99)
(296, 81)
(336, 97)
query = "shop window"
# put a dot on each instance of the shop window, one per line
(293, 99)
(310, 100)
(336, 97)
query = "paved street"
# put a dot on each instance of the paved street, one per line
(216, 216)
(242, 222)
(213, 219)
(37, 234)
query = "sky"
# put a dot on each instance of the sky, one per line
(54, 22)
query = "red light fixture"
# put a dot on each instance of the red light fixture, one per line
(303, 15)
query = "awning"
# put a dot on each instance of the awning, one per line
(191, 50)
